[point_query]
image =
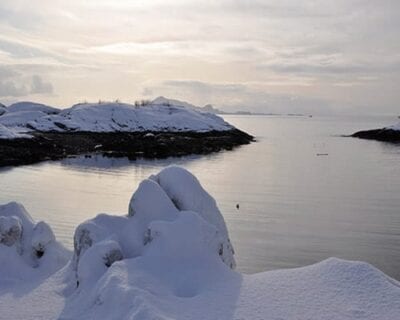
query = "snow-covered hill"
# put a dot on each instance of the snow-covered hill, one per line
(170, 258)
(158, 115)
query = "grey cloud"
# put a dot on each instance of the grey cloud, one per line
(11, 89)
(6, 72)
(14, 84)
(38, 86)
(8, 83)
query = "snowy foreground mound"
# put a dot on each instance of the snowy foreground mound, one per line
(170, 258)
(161, 115)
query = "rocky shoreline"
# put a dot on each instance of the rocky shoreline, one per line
(384, 134)
(58, 145)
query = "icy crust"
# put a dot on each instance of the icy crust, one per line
(27, 248)
(163, 261)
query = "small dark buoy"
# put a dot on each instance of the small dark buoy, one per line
(237, 206)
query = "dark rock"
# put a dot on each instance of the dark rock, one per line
(384, 134)
(56, 145)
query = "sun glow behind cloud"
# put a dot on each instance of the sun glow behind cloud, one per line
(262, 55)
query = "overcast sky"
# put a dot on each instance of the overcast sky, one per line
(271, 56)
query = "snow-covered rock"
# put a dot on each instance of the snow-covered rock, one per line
(26, 245)
(155, 202)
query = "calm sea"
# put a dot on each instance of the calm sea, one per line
(304, 192)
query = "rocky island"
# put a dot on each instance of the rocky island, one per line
(32, 132)
(388, 134)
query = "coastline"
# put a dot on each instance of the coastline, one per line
(145, 144)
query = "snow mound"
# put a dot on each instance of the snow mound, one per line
(121, 117)
(27, 248)
(11, 133)
(178, 263)
(101, 241)
(186, 192)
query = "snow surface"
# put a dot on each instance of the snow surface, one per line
(11, 133)
(112, 117)
(163, 261)
(14, 121)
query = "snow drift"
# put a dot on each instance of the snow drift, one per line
(170, 257)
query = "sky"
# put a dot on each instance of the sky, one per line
(310, 56)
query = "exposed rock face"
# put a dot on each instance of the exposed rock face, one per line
(159, 203)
